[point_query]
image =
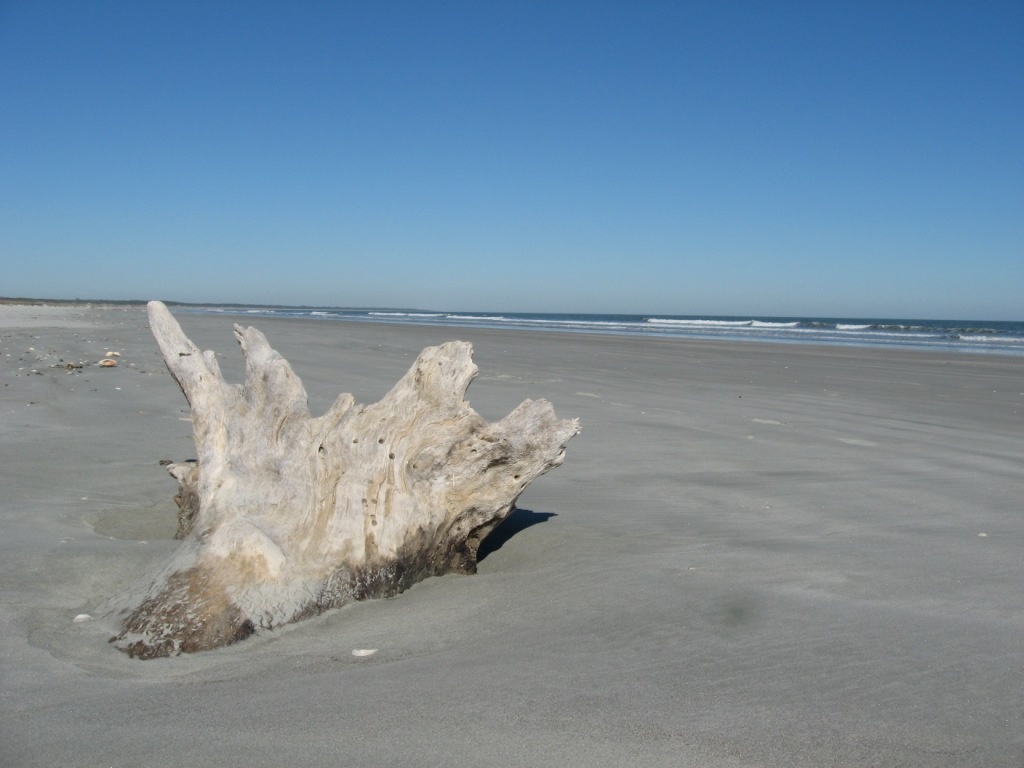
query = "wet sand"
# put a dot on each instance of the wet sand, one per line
(754, 555)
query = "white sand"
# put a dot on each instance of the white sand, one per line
(754, 555)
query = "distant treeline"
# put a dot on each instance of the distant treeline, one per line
(26, 300)
(135, 302)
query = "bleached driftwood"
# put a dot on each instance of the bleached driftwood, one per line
(284, 516)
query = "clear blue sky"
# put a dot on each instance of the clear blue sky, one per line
(763, 158)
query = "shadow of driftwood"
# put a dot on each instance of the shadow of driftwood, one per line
(519, 520)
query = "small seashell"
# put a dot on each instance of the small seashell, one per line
(108, 363)
(113, 354)
(364, 651)
(82, 617)
(983, 535)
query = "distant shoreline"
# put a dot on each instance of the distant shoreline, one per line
(33, 301)
(986, 337)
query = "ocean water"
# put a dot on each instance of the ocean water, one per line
(995, 337)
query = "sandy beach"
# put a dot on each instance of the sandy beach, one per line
(754, 555)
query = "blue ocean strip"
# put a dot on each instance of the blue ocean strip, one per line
(999, 337)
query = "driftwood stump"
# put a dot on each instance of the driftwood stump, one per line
(284, 516)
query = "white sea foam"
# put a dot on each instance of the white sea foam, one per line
(893, 334)
(849, 327)
(702, 323)
(490, 318)
(575, 323)
(991, 339)
(405, 314)
(766, 324)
